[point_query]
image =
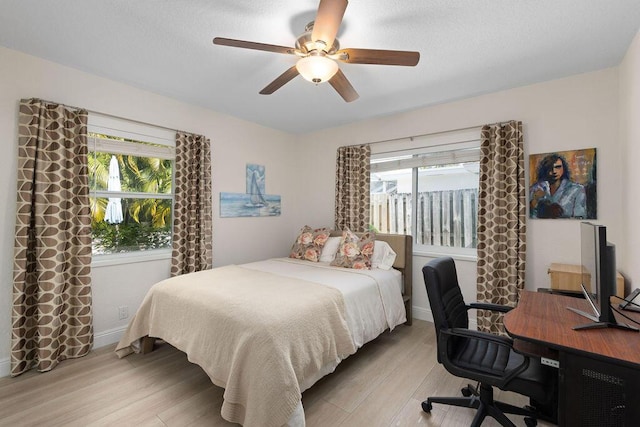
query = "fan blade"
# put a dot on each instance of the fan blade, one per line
(282, 79)
(343, 87)
(254, 45)
(375, 56)
(328, 20)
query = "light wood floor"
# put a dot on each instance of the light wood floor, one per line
(381, 385)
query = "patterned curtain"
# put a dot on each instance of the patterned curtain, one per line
(502, 202)
(352, 188)
(192, 230)
(51, 316)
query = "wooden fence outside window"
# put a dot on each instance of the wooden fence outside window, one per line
(444, 218)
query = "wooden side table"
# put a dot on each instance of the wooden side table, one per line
(567, 277)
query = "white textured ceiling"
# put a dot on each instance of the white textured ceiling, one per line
(467, 47)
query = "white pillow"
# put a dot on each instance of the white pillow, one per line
(383, 256)
(330, 249)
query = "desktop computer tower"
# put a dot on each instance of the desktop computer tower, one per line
(597, 393)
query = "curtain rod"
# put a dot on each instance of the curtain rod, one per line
(412, 137)
(140, 122)
(447, 144)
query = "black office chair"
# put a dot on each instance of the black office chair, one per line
(486, 358)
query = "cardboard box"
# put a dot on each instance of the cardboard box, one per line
(567, 277)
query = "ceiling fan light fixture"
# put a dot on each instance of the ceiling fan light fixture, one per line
(317, 68)
(318, 48)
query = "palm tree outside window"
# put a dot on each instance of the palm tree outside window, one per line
(144, 194)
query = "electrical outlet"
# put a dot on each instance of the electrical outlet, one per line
(550, 362)
(123, 312)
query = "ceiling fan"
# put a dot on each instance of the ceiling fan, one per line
(319, 49)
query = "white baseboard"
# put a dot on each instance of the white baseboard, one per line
(422, 314)
(100, 339)
(426, 314)
(112, 336)
(5, 368)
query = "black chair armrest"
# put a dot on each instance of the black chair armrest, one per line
(502, 341)
(490, 306)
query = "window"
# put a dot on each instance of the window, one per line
(131, 184)
(430, 193)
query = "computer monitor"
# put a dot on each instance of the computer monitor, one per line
(598, 263)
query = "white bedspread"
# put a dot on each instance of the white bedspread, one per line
(373, 298)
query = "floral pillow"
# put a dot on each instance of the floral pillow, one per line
(355, 252)
(308, 245)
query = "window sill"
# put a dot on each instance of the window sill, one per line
(457, 255)
(130, 258)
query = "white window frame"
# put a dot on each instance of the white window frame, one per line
(117, 127)
(446, 147)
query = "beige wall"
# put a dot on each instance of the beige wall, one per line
(628, 254)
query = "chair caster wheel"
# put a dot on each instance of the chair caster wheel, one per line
(530, 422)
(466, 392)
(427, 406)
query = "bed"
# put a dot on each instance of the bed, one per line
(268, 330)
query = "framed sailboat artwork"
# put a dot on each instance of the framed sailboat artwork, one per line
(255, 186)
(255, 202)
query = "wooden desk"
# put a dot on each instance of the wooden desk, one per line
(599, 369)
